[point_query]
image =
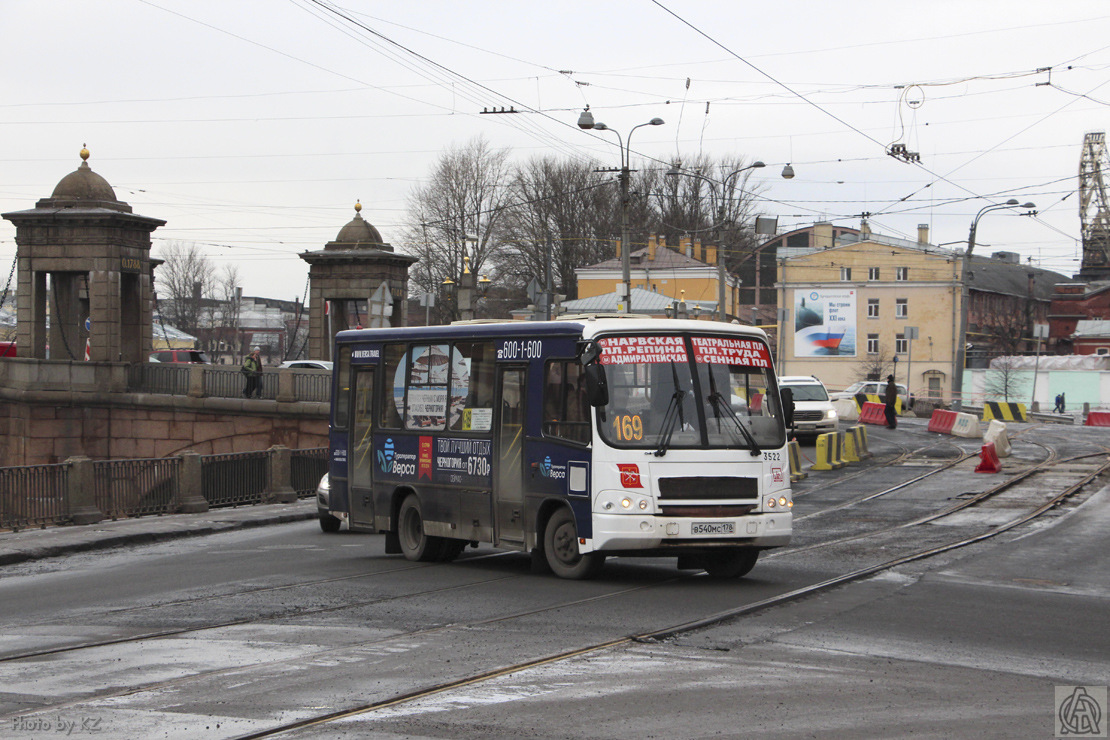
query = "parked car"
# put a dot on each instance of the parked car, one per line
(874, 388)
(180, 355)
(307, 364)
(813, 411)
(328, 521)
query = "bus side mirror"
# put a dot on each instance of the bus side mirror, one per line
(597, 388)
(787, 406)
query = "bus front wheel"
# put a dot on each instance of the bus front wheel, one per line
(560, 546)
(415, 545)
(731, 563)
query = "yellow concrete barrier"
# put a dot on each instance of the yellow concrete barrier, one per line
(855, 444)
(827, 454)
(794, 451)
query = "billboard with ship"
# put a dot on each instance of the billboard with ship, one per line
(825, 323)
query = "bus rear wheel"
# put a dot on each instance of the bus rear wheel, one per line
(415, 545)
(731, 563)
(560, 546)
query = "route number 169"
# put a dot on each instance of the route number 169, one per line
(628, 428)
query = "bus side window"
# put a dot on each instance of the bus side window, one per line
(566, 411)
(343, 390)
(393, 386)
(472, 379)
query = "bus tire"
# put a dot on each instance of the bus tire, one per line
(733, 563)
(415, 545)
(560, 546)
(329, 523)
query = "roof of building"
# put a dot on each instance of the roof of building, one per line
(666, 258)
(643, 301)
(1008, 278)
(84, 184)
(358, 233)
(1092, 328)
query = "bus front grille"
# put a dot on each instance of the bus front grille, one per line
(708, 510)
(708, 488)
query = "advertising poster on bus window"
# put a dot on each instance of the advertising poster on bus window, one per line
(825, 323)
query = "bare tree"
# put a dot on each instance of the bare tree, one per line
(224, 312)
(564, 215)
(458, 213)
(876, 366)
(1004, 379)
(185, 276)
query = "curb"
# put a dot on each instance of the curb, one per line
(12, 555)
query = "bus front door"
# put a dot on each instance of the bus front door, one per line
(361, 463)
(508, 491)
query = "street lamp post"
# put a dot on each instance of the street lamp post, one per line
(676, 172)
(965, 294)
(586, 122)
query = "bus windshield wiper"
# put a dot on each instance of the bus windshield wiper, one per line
(672, 417)
(719, 403)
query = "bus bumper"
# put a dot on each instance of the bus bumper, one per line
(623, 532)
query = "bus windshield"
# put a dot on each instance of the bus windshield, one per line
(689, 391)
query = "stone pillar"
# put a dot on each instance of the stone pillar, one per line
(81, 492)
(286, 392)
(280, 491)
(190, 486)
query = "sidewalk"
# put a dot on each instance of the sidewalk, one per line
(34, 544)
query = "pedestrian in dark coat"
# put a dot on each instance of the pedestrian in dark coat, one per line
(252, 368)
(890, 399)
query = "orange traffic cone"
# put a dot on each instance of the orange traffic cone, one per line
(988, 460)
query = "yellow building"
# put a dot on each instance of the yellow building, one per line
(689, 271)
(851, 307)
(854, 301)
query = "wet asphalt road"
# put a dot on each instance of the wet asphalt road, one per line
(299, 623)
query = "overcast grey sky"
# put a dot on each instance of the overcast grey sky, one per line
(252, 126)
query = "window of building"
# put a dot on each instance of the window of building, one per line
(872, 344)
(872, 308)
(566, 413)
(901, 308)
(1102, 351)
(901, 346)
(845, 273)
(872, 273)
(902, 274)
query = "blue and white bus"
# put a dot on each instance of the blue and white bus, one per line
(570, 440)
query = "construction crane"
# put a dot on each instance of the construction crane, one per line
(1094, 210)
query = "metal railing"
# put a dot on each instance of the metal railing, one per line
(126, 488)
(64, 493)
(157, 378)
(33, 495)
(312, 385)
(225, 381)
(234, 479)
(306, 467)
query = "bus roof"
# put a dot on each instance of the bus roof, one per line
(584, 326)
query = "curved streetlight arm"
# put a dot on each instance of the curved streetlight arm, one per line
(965, 299)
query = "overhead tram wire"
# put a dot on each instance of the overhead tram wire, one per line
(361, 83)
(522, 123)
(809, 102)
(430, 69)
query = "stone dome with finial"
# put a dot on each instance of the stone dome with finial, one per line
(358, 234)
(83, 188)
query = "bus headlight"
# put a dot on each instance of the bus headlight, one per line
(782, 501)
(770, 503)
(623, 502)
